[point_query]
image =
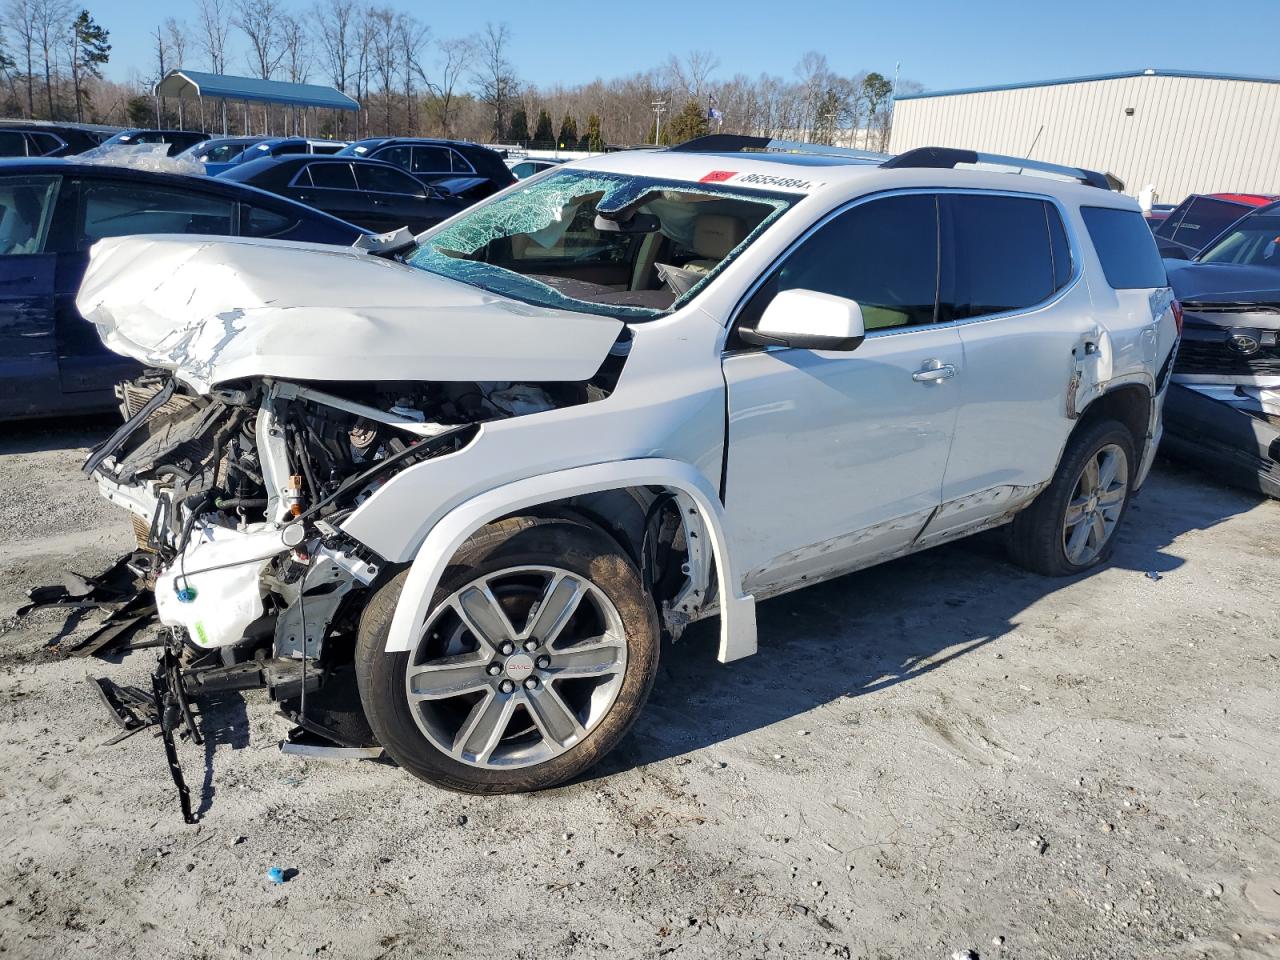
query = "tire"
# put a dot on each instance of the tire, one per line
(504, 563)
(1036, 538)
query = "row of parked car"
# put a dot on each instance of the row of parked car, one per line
(1222, 256)
(57, 199)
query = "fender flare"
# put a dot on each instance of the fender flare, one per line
(737, 610)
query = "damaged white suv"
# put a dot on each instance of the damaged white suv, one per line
(480, 474)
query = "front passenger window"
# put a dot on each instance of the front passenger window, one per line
(883, 254)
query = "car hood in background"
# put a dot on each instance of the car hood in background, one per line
(213, 311)
(1222, 281)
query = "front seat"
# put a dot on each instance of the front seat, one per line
(714, 236)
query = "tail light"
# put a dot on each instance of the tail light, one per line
(1176, 307)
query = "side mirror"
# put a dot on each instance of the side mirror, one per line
(808, 320)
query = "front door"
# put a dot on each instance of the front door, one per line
(836, 459)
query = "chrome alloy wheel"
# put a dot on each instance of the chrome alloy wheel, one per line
(516, 667)
(1095, 505)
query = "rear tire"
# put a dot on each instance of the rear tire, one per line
(1042, 537)
(563, 714)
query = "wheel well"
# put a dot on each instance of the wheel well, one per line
(649, 518)
(1131, 405)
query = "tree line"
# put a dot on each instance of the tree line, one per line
(410, 82)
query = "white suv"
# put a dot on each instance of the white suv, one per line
(484, 473)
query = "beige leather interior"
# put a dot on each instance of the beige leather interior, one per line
(714, 236)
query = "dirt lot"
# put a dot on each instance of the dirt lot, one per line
(938, 756)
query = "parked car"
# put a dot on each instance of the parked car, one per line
(523, 169)
(1200, 218)
(24, 138)
(284, 147)
(370, 193)
(1224, 406)
(485, 480)
(178, 140)
(217, 153)
(52, 361)
(474, 171)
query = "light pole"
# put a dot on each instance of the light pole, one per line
(658, 106)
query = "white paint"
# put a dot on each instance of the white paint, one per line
(219, 310)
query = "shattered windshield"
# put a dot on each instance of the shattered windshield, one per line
(622, 246)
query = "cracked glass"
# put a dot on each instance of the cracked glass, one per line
(610, 244)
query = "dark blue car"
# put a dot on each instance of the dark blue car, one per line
(51, 212)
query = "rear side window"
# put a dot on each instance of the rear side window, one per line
(1000, 255)
(883, 254)
(257, 222)
(386, 180)
(1204, 219)
(26, 210)
(119, 208)
(334, 176)
(1126, 248)
(12, 144)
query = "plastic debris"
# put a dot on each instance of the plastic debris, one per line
(1154, 575)
(276, 875)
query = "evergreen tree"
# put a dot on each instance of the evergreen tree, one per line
(518, 129)
(90, 50)
(593, 138)
(543, 135)
(690, 122)
(568, 138)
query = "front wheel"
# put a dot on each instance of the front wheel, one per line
(538, 653)
(1072, 525)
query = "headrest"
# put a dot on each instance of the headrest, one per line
(714, 235)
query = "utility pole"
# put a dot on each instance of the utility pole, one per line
(658, 106)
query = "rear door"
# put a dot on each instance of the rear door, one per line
(1010, 285)
(334, 190)
(400, 200)
(28, 342)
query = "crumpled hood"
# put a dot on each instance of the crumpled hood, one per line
(218, 310)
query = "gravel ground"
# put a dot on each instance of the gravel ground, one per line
(941, 755)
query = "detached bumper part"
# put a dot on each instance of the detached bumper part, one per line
(1239, 445)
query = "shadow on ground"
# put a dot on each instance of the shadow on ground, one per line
(887, 625)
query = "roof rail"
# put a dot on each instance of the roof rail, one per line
(949, 157)
(742, 143)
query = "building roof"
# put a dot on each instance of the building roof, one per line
(189, 84)
(1148, 72)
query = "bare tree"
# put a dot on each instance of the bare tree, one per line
(494, 76)
(215, 26)
(456, 56)
(412, 36)
(261, 23)
(20, 17)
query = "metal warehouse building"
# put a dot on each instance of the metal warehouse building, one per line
(1179, 131)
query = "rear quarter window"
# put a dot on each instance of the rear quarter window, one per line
(1130, 259)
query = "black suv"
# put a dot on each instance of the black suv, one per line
(466, 170)
(23, 139)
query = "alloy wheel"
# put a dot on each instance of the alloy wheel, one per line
(1095, 505)
(517, 667)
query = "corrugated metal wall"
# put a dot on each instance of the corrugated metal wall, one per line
(1186, 135)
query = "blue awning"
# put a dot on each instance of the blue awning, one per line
(190, 84)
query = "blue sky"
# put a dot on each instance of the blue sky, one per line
(941, 44)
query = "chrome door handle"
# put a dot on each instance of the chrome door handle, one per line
(933, 371)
